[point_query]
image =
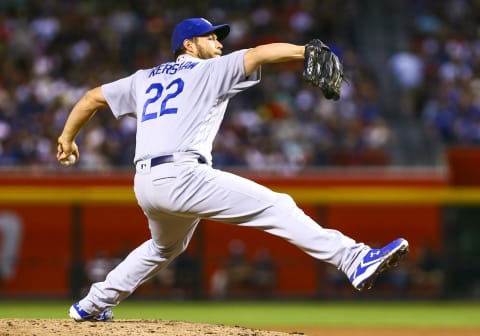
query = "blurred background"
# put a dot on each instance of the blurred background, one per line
(397, 155)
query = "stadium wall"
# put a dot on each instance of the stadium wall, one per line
(69, 219)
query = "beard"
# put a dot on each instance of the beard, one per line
(203, 53)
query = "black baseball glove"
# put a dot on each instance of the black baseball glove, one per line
(323, 69)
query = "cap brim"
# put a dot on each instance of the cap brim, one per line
(221, 31)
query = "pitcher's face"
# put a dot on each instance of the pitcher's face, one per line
(208, 46)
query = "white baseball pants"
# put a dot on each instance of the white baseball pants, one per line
(175, 196)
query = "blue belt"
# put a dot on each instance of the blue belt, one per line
(169, 158)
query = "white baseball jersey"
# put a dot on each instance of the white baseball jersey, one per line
(179, 105)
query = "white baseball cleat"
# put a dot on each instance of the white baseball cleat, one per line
(376, 261)
(80, 315)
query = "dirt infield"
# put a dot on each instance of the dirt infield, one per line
(47, 327)
(21, 327)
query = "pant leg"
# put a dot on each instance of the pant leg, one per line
(170, 237)
(278, 214)
(217, 195)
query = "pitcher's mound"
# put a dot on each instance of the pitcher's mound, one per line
(46, 327)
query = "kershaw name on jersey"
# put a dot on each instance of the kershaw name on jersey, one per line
(172, 68)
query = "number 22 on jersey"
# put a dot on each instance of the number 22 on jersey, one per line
(172, 90)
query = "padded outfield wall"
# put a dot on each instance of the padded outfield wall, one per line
(68, 218)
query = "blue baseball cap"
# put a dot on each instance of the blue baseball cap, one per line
(194, 27)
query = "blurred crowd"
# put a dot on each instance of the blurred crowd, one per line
(51, 52)
(446, 50)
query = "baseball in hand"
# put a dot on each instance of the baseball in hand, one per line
(69, 160)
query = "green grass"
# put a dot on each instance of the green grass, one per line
(380, 314)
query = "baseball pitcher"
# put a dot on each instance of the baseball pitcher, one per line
(179, 107)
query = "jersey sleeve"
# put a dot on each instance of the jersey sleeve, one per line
(228, 72)
(120, 96)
